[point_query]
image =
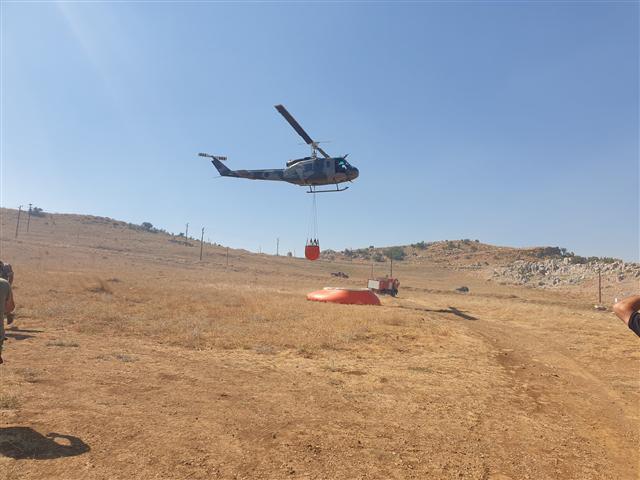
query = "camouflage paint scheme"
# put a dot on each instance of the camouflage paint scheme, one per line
(304, 171)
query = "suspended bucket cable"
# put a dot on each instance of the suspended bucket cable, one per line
(312, 248)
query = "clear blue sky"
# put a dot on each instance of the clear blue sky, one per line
(513, 123)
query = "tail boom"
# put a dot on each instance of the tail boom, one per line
(269, 174)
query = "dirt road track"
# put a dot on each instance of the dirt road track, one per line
(549, 382)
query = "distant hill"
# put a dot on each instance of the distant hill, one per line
(544, 267)
(457, 253)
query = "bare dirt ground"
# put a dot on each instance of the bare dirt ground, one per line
(147, 364)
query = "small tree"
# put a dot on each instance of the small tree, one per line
(37, 212)
(396, 253)
(347, 252)
(147, 226)
(420, 245)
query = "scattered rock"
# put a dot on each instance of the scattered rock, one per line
(462, 289)
(557, 272)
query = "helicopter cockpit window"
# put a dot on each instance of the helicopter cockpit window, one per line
(341, 165)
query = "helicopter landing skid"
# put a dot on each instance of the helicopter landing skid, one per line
(312, 189)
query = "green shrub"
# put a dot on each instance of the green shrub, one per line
(37, 212)
(396, 253)
(420, 245)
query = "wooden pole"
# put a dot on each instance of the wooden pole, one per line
(201, 240)
(599, 288)
(29, 218)
(18, 222)
(186, 231)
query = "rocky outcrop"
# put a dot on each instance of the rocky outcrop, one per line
(562, 271)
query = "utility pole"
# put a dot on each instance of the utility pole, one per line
(29, 218)
(186, 232)
(599, 288)
(18, 222)
(201, 240)
(277, 247)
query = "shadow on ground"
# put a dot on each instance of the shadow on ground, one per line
(450, 310)
(23, 330)
(17, 336)
(20, 334)
(25, 443)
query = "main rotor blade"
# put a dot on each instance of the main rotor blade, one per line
(296, 126)
(322, 151)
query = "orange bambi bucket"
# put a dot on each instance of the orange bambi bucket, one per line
(312, 252)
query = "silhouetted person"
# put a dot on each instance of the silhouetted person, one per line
(627, 311)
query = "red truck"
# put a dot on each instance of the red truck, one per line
(384, 285)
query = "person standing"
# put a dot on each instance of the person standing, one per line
(5, 298)
(627, 311)
(6, 272)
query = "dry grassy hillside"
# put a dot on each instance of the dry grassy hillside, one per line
(144, 363)
(535, 267)
(458, 253)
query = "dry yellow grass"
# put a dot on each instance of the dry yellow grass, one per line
(159, 366)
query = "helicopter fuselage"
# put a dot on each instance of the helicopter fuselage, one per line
(319, 171)
(308, 171)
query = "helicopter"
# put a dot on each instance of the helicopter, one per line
(310, 171)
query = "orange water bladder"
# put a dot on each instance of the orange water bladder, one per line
(312, 252)
(362, 296)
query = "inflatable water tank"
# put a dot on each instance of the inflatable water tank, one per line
(361, 296)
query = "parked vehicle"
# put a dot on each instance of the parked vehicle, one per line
(384, 285)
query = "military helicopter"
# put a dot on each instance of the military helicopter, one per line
(308, 171)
